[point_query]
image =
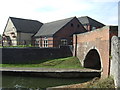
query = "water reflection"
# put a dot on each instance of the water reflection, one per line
(20, 81)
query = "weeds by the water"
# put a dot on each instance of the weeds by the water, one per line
(102, 83)
(94, 84)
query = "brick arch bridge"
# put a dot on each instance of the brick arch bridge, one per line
(93, 48)
(96, 60)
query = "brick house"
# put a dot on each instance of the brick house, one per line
(89, 23)
(58, 33)
(20, 31)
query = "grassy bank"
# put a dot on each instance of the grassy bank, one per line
(70, 62)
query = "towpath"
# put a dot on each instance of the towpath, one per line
(15, 69)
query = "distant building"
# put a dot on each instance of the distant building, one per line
(89, 23)
(53, 34)
(58, 33)
(20, 31)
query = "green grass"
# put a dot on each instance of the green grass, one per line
(18, 46)
(70, 62)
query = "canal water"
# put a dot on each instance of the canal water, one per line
(21, 81)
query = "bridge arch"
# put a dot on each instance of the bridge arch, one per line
(92, 60)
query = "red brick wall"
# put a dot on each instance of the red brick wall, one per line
(50, 41)
(98, 39)
(67, 32)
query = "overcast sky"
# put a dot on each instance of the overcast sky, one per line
(105, 11)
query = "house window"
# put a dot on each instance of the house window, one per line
(37, 42)
(93, 28)
(12, 33)
(45, 42)
(14, 36)
(63, 42)
(71, 24)
(78, 25)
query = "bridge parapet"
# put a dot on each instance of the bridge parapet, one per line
(98, 40)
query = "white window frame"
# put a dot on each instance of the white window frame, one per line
(45, 42)
(64, 42)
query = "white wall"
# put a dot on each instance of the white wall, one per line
(9, 29)
(21, 38)
(115, 60)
